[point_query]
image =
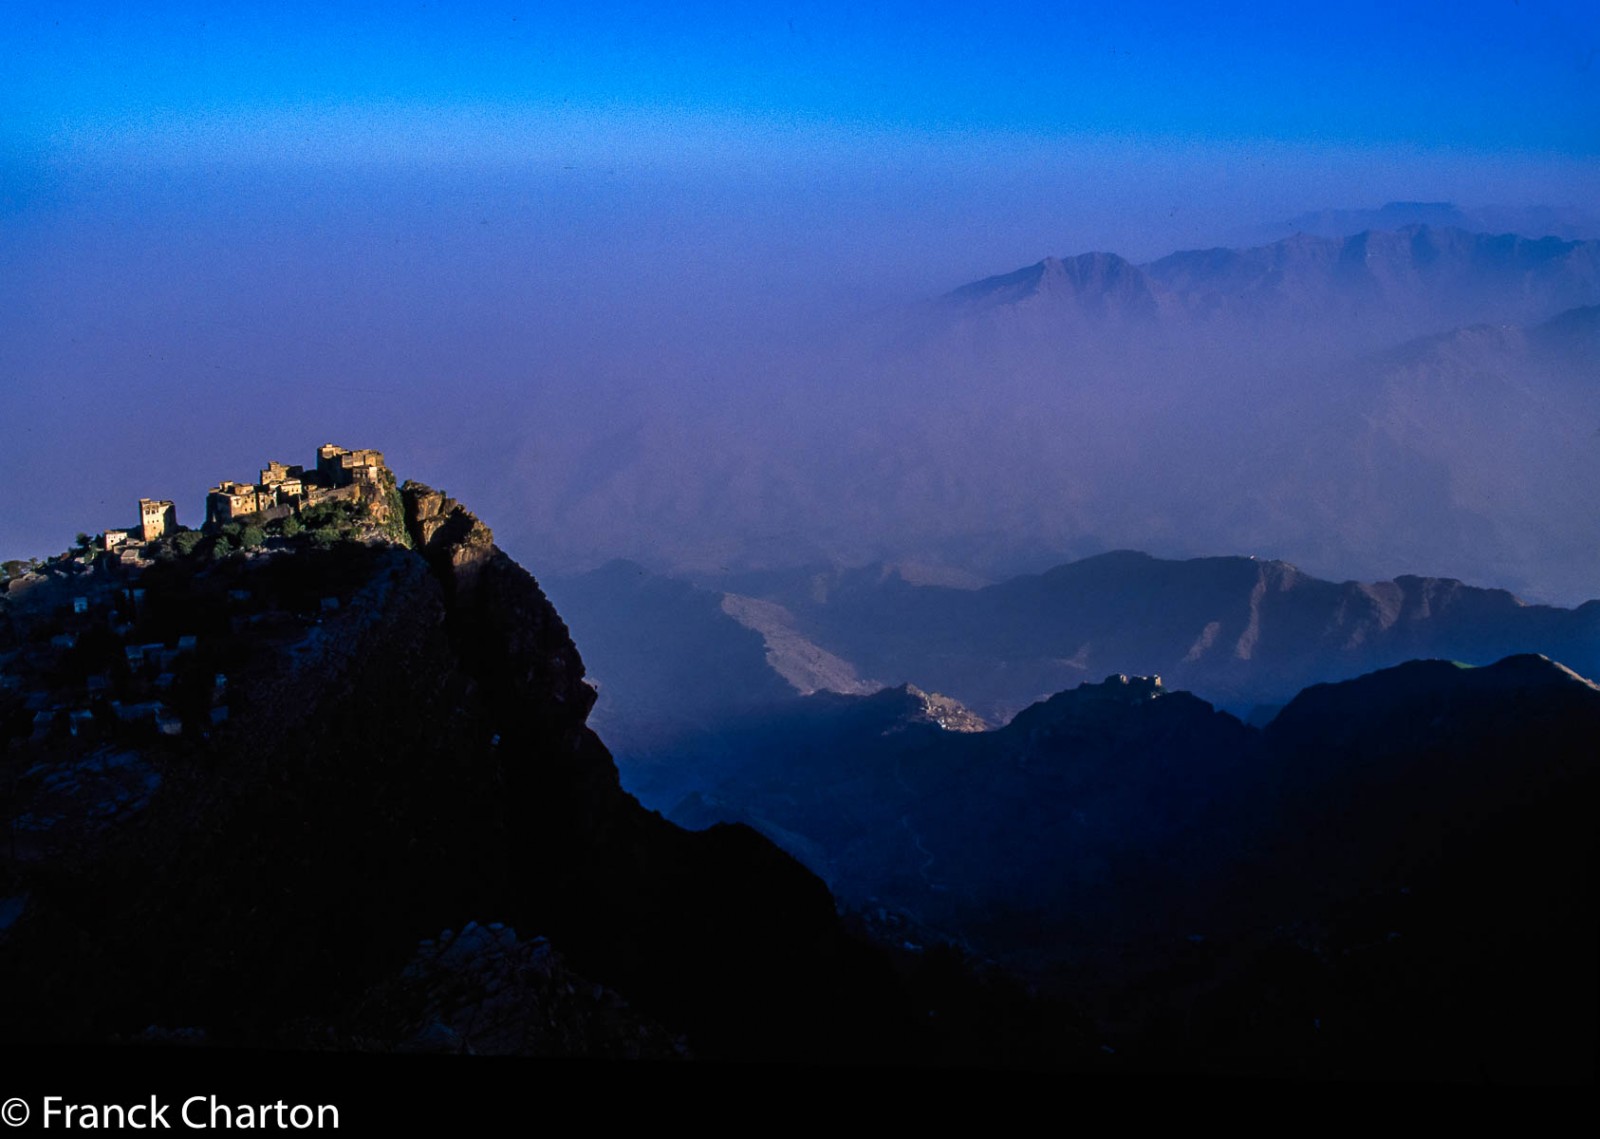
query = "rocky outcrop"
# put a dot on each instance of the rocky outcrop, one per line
(406, 751)
(453, 540)
(942, 711)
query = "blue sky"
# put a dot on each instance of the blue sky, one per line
(1506, 75)
(783, 134)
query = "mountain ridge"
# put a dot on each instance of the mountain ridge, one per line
(1240, 631)
(1396, 860)
(1298, 271)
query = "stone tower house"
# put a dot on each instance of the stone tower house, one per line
(157, 518)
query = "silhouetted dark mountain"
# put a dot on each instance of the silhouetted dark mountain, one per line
(1396, 877)
(354, 746)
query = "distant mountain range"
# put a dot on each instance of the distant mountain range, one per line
(1238, 631)
(1417, 401)
(1393, 877)
(1361, 291)
(1379, 867)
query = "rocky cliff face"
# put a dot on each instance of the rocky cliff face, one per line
(407, 756)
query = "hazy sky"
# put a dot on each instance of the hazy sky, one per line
(212, 212)
(1021, 126)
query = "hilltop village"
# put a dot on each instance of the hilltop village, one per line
(131, 635)
(340, 475)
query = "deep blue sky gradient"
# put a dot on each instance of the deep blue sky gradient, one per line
(902, 148)
(1486, 76)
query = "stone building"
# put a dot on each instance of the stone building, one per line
(338, 466)
(286, 483)
(157, 518)
(340, 474)
(229, 500)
